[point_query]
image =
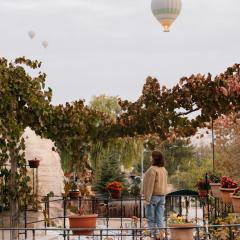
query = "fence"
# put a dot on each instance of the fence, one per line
(186, 203)
(208, 232)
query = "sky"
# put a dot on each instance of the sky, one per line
(111, 46)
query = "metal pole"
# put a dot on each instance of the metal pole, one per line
(142, 166)
(25, 218)
(33, 182)
(213, 148)
(64, 216)
(142, 197)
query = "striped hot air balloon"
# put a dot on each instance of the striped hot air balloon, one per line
(166, 12)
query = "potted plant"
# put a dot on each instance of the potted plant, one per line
(180, 229)
(215, 184)
(71, 189)
(34, 163)
(236, 200)
(203, 187)
(227, 186)
(115, 188)
(82, 218)
(222, 232)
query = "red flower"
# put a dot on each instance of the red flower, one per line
(227, 182)
(117, 186)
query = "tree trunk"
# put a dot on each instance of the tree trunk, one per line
(13, 201)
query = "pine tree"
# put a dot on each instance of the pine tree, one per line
(110, 171)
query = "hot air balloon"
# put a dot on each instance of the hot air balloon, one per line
(44, 44)
(31, 34)
(166, 12)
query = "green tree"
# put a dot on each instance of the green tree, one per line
(106, 104)
(110, 171)
(227, 145)
(178, 155)
(187, 175)
(128, 149)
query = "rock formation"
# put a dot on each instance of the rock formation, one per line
(50, 173)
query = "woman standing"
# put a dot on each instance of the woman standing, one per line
(154, 191)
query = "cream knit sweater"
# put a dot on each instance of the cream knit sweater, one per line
(154, 182)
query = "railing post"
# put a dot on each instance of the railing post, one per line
(140, 203)
(121, 206)
(180, 205)
(45, 209)
(216, 206)
(166, 233)
(68, 233)
(33, 176)
(33, 232)
(25, 218)
(196, 209)
(107, 218)
(206, 183)
(198, 234)
(48, 211)
(64, 216)
(231, 233)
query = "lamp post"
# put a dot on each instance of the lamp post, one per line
(142, 173)
(142, 166)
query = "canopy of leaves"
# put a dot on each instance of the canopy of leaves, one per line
(75, 127)
(164, 111)
(24, 101)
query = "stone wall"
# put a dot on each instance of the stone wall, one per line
(50, 173)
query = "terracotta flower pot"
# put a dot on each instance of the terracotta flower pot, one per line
(182, 231)
(115, 194)
(73, 194)
(225, 194)
(235, 203)
(33, 163)
(202, 192)
(67, 174)
(215, 188)
(83, 221)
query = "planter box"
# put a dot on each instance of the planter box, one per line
(215, 188)
(225, 194)
(182, 231)
(235, 203)
(83, 221)
(33, 163)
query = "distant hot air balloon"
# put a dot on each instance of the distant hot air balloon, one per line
(31, 34)
(44, 44)
(166, 11)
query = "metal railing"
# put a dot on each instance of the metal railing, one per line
(191, 207)
(208, 232)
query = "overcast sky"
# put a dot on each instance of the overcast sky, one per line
(111, 46)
